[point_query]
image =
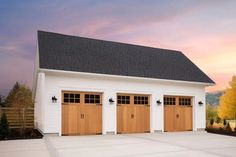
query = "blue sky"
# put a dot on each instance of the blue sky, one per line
(204, 30)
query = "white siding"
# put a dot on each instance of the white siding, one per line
(39, 105)
(56, 82)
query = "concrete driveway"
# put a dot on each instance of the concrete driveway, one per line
(199, 144)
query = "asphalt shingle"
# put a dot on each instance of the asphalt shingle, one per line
(79, 54)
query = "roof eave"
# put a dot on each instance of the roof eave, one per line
(127, 77)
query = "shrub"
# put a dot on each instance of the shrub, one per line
(224, 122)
(212, 122)
(228, 128)
(218, 120)
(4, 126)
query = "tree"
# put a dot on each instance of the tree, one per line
(2, 101)
(4, 126)
(12, 93)
(227, 108)
(211, 112)
(20, 97)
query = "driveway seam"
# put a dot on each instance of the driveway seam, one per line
(50, 147)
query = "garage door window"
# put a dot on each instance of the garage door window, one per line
(185, 101)
(71, 98)
(123, 99)
(92, 98)
(169, 101)
(141, 100)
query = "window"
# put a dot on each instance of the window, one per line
(71, 98)
(123, 99)
(185, 101)
(141, 100)
(92, 98)
(169, 101)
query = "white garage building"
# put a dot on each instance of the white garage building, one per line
(89, 86)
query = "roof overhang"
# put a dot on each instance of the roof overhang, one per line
(124, 77)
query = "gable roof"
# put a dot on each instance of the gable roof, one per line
(79, 54)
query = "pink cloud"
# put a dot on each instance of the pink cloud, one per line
(195, 28)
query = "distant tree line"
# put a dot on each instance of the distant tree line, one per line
(227, 106)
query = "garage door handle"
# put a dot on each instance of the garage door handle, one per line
(177, 116)
(132, 116)
(82, 116)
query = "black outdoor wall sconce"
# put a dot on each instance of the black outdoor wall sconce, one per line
(158, 102)
(200, 103)
(54, 99)
(111, 100)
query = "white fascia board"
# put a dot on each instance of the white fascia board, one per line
(36, 70)
(124, 77)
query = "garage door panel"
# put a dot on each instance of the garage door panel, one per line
(79, 117)
(169, 118)
(119, 119)
(142, 118)
(65, 111)
(131, 119)
(131, 116)
(98, 119)
(89, 117)
(188, 118)
(177, 113)
(126, 123)
(147, 119)
(73, 119)
(139, 115)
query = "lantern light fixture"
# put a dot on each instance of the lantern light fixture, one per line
(200, 103)
(111, 100)
(54, 99)
(158, 102)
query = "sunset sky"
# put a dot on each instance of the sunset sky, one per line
(204, 30)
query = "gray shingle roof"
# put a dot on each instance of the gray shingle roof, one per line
(70, 53)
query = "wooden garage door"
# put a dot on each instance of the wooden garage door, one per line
(81, 113)
(177, 113)
(133, 113)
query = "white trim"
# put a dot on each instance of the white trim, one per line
(127, 77)
(36, 71)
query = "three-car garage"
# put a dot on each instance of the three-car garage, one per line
(86, 86)
(82, 113)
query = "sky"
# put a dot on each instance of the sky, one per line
(204, 30)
